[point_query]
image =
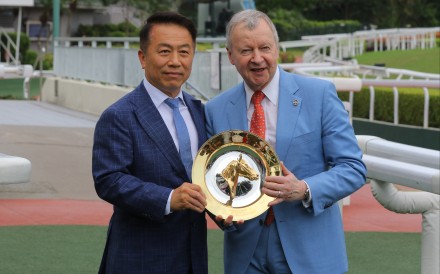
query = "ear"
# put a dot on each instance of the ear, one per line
(230, 56)
(141, 57)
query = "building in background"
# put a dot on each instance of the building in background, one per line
(211, 17)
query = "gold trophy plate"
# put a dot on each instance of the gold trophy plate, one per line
(239, 161)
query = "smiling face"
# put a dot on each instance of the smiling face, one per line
(168, 57)
(254, 53)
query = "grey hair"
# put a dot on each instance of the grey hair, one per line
(251, 18)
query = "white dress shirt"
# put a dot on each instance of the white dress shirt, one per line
(270, 106)
(158, 98)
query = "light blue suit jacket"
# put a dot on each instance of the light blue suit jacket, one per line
(316, 142)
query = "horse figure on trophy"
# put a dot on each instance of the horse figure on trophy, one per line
(232, 171)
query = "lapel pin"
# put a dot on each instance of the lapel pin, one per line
(295, 103)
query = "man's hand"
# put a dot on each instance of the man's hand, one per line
(188, 196)
(228, 221)
(284, 188)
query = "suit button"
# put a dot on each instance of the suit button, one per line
(261, 221)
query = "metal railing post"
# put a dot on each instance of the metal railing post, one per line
(396, 105)
(372, 95)
(426, 108)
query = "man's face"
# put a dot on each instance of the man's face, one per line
(168, 57)
(254, 53)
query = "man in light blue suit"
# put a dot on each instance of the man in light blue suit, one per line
(142, 165)
(321, 162)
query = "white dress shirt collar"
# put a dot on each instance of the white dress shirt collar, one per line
(157, 96)
(271, 91)
(270, 106)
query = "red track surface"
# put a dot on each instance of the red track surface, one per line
(363, 214)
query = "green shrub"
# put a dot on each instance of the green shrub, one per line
(116, 34)
(30, 57)
(85, 31)
(48, 61)
(108, 30)
(291, 25)
(24, 44)
(411, 105)
(129, 27)
(287, 57)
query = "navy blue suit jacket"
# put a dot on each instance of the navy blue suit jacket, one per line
(135, 167)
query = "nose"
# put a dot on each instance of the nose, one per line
(257, 57)
(174, 59)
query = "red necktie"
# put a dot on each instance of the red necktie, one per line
(258, 127)
(258, 122)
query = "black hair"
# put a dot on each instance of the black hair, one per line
(161, 18)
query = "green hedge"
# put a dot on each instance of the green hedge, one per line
(291, 25)
(411, 104)
(31, 59)
(108, 30)
(27, 56)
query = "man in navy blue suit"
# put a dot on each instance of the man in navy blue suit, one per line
(158, 223)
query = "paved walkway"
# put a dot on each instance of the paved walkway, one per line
(58, 143)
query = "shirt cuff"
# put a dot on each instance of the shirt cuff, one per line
(168, 206)
(308, 203)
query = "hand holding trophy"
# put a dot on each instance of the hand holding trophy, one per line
(231, 168)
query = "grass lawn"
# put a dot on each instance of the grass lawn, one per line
(78, 249)
(422, 60)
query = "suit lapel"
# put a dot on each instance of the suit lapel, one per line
(289, 106)
(196, 111)
(236, 110)
(154, 126)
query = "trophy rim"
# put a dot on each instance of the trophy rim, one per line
(219, 150)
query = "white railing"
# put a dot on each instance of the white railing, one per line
(343, 46)
(125, 42)
(391, 163)
(17, 71)
(373, 77)
(114, 61)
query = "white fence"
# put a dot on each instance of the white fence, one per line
(114, 61)
(391, 163)
(343, 46)
(373, 77)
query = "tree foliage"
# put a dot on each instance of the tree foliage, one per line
(292, 25)
(148, 7)
(382, 13)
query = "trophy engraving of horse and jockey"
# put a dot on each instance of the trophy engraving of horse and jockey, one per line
(233, 171)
